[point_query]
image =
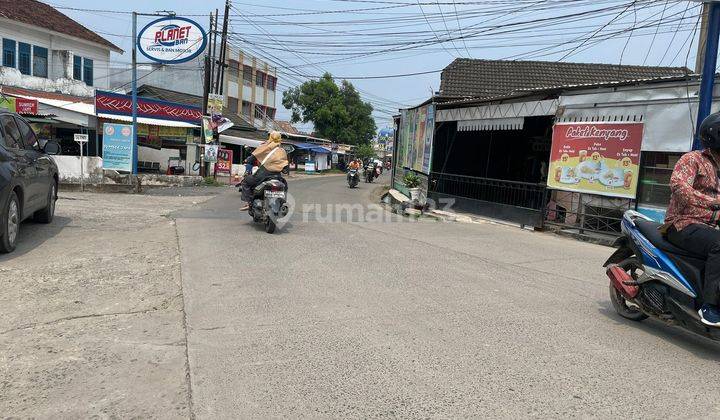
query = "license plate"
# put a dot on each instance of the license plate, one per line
(274, 194)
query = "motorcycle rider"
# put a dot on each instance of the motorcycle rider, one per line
(694, 212)
(354, 165)
(271, 159)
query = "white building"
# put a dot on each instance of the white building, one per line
(43, 49)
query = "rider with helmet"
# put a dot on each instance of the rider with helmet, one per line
(694, 212)
(270, 158)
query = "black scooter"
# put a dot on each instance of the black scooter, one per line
(353, 178)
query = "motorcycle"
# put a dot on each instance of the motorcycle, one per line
(650, 277)
(269, 201)
(369, 174)
(353, 178)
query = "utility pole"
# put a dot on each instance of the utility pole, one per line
(700, 58)
(220, 77)
(209, 68)
(709, 64)
(134, 94)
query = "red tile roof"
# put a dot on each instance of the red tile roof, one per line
(36, 13)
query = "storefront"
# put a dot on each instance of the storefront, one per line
(503, 158)
(168, 132)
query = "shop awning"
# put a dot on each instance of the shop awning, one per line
(310, 147)
(77, 112)
(492, 124)
(496, 111)
(149, 121)
(239, 141)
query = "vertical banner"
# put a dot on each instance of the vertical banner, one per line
(224, 161)
(117, 147)
(207, 129)
(596, 158)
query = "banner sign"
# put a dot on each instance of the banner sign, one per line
(172, 40)
(19, 105)
(118, 104)
(224, 161)
(207, 129)
(211, 153)
(215, 104)
(417, 130)
(117, 147)
(596, 158)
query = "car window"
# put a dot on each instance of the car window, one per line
(28, 135)
(13, 139)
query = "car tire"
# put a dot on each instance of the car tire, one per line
(46, 215)
(10, 224)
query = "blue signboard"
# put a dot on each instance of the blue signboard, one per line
(117, 147)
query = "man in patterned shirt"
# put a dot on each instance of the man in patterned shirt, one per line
(694, 212)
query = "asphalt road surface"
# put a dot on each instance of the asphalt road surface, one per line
(369, 317)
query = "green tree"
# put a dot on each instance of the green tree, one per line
(365, 151)
(337, 112)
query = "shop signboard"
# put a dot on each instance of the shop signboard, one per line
(596, 158)
(224, 161)
(118, 104)
(117, 147)
(211, 153)
(19, 105)
(417, 130)
(171, 40)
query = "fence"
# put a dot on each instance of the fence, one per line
(530, 203)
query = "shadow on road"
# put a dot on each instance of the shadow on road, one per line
(700, 346)
(32, 235)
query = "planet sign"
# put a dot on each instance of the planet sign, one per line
(172, 40)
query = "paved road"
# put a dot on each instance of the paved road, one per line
(369, 318)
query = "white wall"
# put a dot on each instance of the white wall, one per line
(43, 38)
(69, 168)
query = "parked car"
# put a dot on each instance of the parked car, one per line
(28, 178)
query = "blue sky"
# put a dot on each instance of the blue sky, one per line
(371, 38)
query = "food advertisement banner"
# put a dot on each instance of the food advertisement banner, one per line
(596, 158)
(415, 140)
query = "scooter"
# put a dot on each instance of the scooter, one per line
(650, 277)
(369, 174)
(353, 178)
(269, 201)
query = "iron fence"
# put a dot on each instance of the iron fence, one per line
(582, 213)
(512, 193)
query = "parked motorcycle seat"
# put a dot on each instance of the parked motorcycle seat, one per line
(651, 232)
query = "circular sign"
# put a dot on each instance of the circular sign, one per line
(172, 40)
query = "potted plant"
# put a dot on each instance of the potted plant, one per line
(412, 182)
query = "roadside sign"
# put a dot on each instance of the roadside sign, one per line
(118, 147)
(81, 138)
(172, 40)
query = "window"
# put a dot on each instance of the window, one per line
(271, 82)
(8, 57)
(40, 61)
(233, 68)
(12, 133)
(28, 135)
(655, 172)
(247, 75)
(246, 108)
(24, 58)
(232, 105)
(270, 112)
(88, 71)
(260, 112)
(77, 67)
(260, 79)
